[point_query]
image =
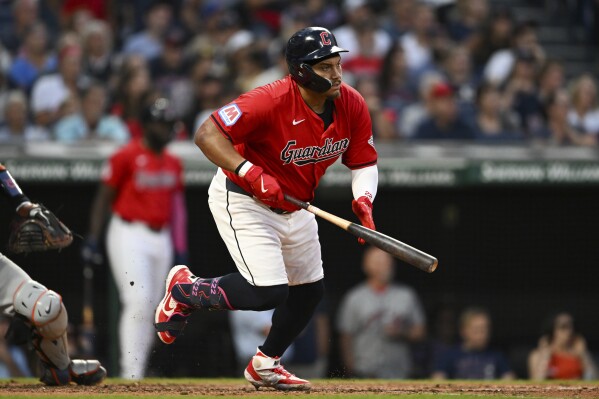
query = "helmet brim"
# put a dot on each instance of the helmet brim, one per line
(322, 53)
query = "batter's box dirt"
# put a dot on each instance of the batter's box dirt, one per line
(192, 388)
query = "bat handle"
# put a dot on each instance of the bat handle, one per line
(296, 202)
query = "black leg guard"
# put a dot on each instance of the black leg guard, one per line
(292, 316)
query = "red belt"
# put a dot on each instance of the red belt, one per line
(154, 227)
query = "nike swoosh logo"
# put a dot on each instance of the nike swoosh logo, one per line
(297, 122)
(48, 308)
(262, 184)
(168, 308)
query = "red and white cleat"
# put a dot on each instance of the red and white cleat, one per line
(171, 315)
(264, 371)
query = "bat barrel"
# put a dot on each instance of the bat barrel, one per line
(398, 249)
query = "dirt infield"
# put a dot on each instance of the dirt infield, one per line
(323, 387)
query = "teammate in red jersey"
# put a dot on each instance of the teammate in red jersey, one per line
(279, 138)
(142, 182)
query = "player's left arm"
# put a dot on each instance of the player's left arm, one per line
(361, 158)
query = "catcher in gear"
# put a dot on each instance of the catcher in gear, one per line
(37, 229)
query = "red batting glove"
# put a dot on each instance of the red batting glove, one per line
(362, 207)
(264, 186)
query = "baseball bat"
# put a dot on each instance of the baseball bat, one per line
(400, 250)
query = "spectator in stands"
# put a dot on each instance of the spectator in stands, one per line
(92, 123)
(360, 17)
(13, 359)
(584, 113)
(524, 41)
(383, 119)
(52, 92)
(35, 57)
(457, 69)
(413, 114)
(97, 50)
(378, 320)
(170, 73)
(396, 88)
(17, 129)
(467, 21)
(445, 121)
(496, 35)
(472, 358)
(551, 78)
(149, 42)
(420, 41)
(557, 130)
(366, 63)
(133, 84)
(561, 352)
(25, 13)
(322, 13)
(5, 62)
(398, 18)
(521, 93)
(493, 122)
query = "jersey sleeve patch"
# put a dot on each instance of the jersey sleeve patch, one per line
(229, 114)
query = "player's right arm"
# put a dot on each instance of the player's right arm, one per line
(217, 147)
(222, 153)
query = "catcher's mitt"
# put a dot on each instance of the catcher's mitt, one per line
(40, 231)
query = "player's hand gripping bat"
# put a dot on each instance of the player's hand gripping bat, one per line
(400, 250)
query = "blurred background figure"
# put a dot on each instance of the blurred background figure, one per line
(561, 353)
(98, 56)
(557, 130)
(54, 95)
(35, 58)
(494, 123)
(584, 114)
(92, 122)
(472, 358)
(149, 43)
(13, 358)
(133, 83)
(444, 121)
(142, 191)
(17, 129)
(378, 320)
(249, 330)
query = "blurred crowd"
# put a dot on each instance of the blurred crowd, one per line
(73, 70)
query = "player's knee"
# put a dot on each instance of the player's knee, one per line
(308, 295)
(42, 307)
(272, 296)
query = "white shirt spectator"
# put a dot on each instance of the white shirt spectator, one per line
(48, 94)
(588, 123)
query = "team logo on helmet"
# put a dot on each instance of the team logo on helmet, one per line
(324, 38)
(229, 114)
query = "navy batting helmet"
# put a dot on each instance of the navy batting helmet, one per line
(159, 110)
(305, 48)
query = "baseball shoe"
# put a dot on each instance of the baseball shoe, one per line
(264, 371)
(81, 372)
(171, 315)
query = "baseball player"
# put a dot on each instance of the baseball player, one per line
(41, 308)
(142, 182)
(278, 138)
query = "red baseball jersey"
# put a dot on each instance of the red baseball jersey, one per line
(272, 127)
(145, 183)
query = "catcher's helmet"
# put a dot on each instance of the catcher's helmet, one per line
(305, 48)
